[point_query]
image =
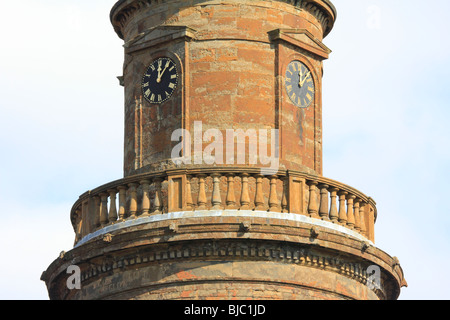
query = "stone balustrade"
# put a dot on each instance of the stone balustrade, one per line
(225, 188)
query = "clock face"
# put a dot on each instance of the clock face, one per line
(160, 80)
(299, 84)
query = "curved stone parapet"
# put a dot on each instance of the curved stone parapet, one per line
(210, 189)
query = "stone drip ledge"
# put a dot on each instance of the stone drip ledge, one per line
(221, 213)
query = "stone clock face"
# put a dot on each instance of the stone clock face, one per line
(160, 80)
(299, 84)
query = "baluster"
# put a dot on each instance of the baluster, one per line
(259, 197)
(112, 215)
(216, 199)
(362, 216)
(323, 209)
(133, 200)
(342, 213)
(145, 197)
(85, 218)
(333, 208)
(97, 210)
(284, 202)
(274, 205)
(245, 198)
(231, 199)
(201, 201)
(356, 213)
(312, 206)
(104, 209)
(122, 202)
(350, 215)
(189, 202)
(157, 204)
(79, 224)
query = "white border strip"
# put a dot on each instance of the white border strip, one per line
(222, 213)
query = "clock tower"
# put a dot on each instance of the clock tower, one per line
(223, 194)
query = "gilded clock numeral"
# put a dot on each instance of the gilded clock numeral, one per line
(289, 88)
(159, 97)
(311, 89)
(172, 69)
(152, 98)
(308, 96)
(171, 85)
(146, 84)
(147, 92)
(174, 76)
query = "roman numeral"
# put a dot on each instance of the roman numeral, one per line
(152, 98)
(147, 92)
(309, 96)
(171, 85)
(159, 97)
(174, 76)
(171, 68)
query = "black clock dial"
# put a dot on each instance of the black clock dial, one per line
(160, 80)
(299, 84)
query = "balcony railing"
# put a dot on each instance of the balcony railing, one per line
(224, 188)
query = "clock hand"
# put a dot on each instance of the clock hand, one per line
(159, 71)
(159, 77)
(306, 77)
(300, 78)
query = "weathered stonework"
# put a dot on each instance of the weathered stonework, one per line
(171, 231)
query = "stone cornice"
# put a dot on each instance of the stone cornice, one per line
(232, 239)
(323, 10)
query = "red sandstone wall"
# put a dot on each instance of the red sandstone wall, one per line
(232, 78)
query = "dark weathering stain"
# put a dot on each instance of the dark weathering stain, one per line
(300, 117)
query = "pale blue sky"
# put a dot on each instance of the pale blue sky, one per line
(385, 119)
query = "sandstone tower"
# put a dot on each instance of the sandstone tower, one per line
(226, 229)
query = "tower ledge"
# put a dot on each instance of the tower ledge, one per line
(323, 10)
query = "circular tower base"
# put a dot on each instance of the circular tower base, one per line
(226, 255)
